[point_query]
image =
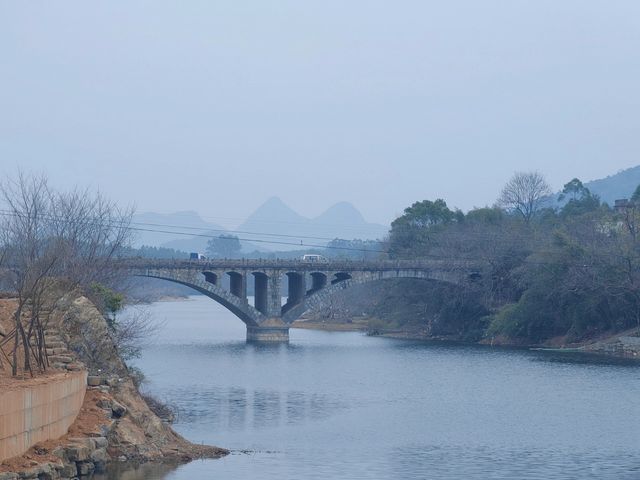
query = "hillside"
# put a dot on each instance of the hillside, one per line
(619, 185)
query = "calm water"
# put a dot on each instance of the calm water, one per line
(347, 406)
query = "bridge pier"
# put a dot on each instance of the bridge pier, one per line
(272, 334)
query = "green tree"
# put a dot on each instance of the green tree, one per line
(111, 302)
(486, 215)
(410, 233)
(426, 214)
(575, 190)
(580, 199)
(224, 246)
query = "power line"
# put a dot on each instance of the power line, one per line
(282, 235)
(203, 235)
(200, 229)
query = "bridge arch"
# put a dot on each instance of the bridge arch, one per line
(251, 316)
(320, 297)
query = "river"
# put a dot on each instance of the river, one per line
(347, 406)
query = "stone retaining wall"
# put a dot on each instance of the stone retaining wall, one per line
(34, 413)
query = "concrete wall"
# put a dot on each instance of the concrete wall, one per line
(36, 412)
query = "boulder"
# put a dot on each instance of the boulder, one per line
(118, 409)
(101, 442)
(68, 470)
(78, 453)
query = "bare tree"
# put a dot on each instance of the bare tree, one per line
(24, 237)
(524, 194)
(133, 332)
(45, 235)
(91, 231)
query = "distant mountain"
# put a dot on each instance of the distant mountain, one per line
(273, 217)
(614, 187)
(176, 224)
(272, 212)
(342, 213)
(342, 220)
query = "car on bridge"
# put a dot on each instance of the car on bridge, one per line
(314, 258)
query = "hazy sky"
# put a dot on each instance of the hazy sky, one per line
(215, 106)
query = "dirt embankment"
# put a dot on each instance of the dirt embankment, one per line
(115, 424)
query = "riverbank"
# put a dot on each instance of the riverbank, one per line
(115, 424)
(358, 325)
(624, 345)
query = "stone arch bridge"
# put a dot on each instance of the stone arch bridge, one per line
(309, 284)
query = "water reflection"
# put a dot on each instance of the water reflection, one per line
(127, 471)
(296, 407)
(237, 408)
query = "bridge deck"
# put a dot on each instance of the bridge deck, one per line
(284, 264)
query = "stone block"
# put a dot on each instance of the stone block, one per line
(60, 358)
(59, 452)
(75, 366)
(28, 474)
(113, 381)
(68, 470)
(78, 453)
(101, 442)
(85, 468)
(86, 442)
(99, 456)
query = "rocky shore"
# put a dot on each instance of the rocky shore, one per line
(115, 424)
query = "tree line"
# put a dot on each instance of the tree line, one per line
(553, 266)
